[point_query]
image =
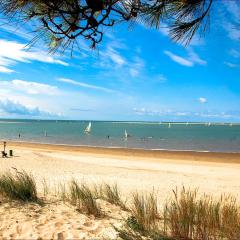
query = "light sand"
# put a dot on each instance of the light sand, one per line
(131, 169)
(212, 173)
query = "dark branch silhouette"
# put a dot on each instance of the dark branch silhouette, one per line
(61, 22)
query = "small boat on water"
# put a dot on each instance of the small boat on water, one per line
(88, 128)
(169, 125)
(126, 134)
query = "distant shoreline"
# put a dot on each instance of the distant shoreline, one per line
(9, 121)
(225, 157)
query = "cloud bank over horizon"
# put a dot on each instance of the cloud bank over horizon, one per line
(133, 75)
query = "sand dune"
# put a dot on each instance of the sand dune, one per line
(55, 220)
(130, 171)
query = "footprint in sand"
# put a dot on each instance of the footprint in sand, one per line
(91, 227)
(88, 224)
(58, 224)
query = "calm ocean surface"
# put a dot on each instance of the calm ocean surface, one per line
(176, 136)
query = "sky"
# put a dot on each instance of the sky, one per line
(135, 74)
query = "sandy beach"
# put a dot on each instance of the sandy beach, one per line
(211, 173)
(131, 169)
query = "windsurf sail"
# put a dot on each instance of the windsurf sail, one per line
(88, 128)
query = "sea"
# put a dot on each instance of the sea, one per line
(209, 137)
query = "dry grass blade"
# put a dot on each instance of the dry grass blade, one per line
(45, 185)
(188, 216)
(144, 212)
(111, 194)
(83, 197)
(18, 186)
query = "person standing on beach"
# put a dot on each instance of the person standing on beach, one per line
(4, 146)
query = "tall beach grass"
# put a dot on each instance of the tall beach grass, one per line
(18, 185)
(186, 215)
(82, 196)
(112, 194)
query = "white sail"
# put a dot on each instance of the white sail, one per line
(230, 124)
(209, 124)
(88, 128)
(126, 134)
(169, 125)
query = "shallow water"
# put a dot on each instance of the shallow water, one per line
(146, 135)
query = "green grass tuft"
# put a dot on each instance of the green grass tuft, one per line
(83, 197)
(145, 212)
(185, 216)
(111, 194)
(18, 186)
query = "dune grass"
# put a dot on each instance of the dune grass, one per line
(18, 186)
(45, 187)
(191, 217)
(112, 194)
(185, 216)
(83, 197)
(144, 212)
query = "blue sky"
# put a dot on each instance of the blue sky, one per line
(135, 74)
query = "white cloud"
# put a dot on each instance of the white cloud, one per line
(188, 61)
(31, 88)
(85, 85)
(115, 57)
(151, 112)
(202, 100)
(12, 52)
(136, 67)
(133, 72)
(231, 22)
(233, 31)
(18, 30)
(10, 107)
(234, 53)
(193, 57)
(231, 65)
(169, 114)
(197, 41)
(5, 70)
(34, 87)
(179, 60)
(233, 8)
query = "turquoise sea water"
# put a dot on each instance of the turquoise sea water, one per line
(177, 136)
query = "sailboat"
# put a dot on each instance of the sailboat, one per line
(209, 124)
(88, 128)
(169, 125)
(126, 134)
(230, 124)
